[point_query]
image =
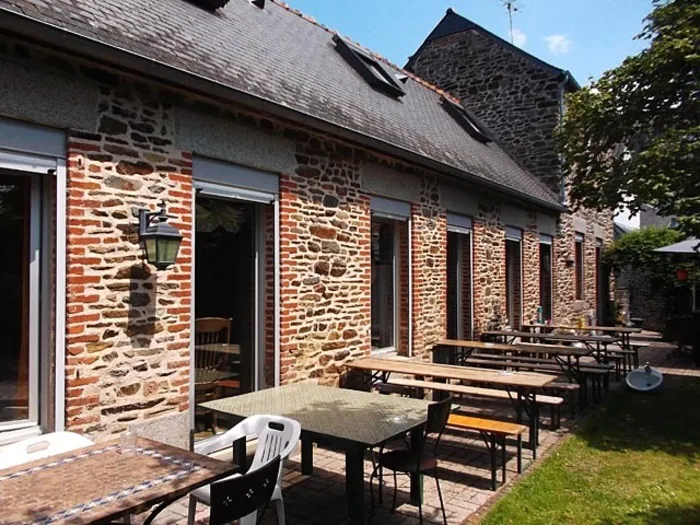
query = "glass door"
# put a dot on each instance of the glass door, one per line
(232, 340)
(20, 229)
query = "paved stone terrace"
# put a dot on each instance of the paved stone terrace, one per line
(464, 472)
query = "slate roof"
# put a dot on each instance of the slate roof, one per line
(453, 23)
(277, 55)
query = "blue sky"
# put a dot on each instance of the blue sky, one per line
(584, 36)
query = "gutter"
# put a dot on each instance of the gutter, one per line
(56, 38)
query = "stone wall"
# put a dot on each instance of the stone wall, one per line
(325, 264)
(489, 268)
(128, 327)
(520, 102)
(531, 267)
(516, 99)
(429, 252)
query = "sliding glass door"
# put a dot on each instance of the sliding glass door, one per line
(20, 277)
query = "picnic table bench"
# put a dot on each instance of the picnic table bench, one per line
(494, 434)
(521, 387)
(567, 358)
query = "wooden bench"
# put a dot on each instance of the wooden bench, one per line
(494, 434)
(554, 402)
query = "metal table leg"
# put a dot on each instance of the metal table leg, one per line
(307, 456)
(355, 483)
(417, 479)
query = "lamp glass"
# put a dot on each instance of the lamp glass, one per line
(149, 245)
(167, 250)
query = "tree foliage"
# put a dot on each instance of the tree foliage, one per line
(631, 138)
(635, 250)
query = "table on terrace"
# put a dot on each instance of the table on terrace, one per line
(455, 351)
(99, 484)
(521, 386)
(624, 332)
(341, 418)
(593, 342)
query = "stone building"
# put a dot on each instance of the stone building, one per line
(520, 98)
(331, 204)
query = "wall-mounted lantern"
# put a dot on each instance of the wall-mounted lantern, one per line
(160, 240)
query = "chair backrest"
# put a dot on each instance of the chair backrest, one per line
(234, 498)
(277, 435)
(41, 447)
(210, 330)
(438, 414)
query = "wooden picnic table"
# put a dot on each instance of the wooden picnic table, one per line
(351, 420)
(452, 351)
(624, 332)
(219, 348)
(593, 342)
(99, 484)
(524, 385)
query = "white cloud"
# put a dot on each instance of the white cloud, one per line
(518, 37)
(558, 44)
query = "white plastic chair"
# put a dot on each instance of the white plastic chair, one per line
(276, 435)
(41, 447)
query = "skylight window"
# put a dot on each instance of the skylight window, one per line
(467, 121)
(369, 68)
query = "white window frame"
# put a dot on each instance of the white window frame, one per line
(38, 167)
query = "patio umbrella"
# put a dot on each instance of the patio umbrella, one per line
(690, 246)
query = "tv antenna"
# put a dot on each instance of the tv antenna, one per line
(512, 7)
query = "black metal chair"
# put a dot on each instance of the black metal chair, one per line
(236, 498)
(407, 461)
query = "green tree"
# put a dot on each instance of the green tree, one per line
(632, 136)
(635, 250)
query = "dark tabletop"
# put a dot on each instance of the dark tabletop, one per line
(351, 415)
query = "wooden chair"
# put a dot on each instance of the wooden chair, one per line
(208, 330)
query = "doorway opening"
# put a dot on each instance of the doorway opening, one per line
(546, 277)
(514, 293)
(20, 278)
(459, 285)
(233, 335)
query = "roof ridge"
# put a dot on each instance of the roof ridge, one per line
(370, 52)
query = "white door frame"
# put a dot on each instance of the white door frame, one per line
(39, 167)
(236, 194)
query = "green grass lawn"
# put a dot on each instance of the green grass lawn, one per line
(635, 461)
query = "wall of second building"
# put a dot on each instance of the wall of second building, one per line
(516, 99)
(520, 102)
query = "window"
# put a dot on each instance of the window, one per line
(578, 262)
(466, 120)
(514, 295)
(369, 68)
(20, 287)
(546, 276)
(384, 284)
(459, 284)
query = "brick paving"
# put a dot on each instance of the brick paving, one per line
(464, 471)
